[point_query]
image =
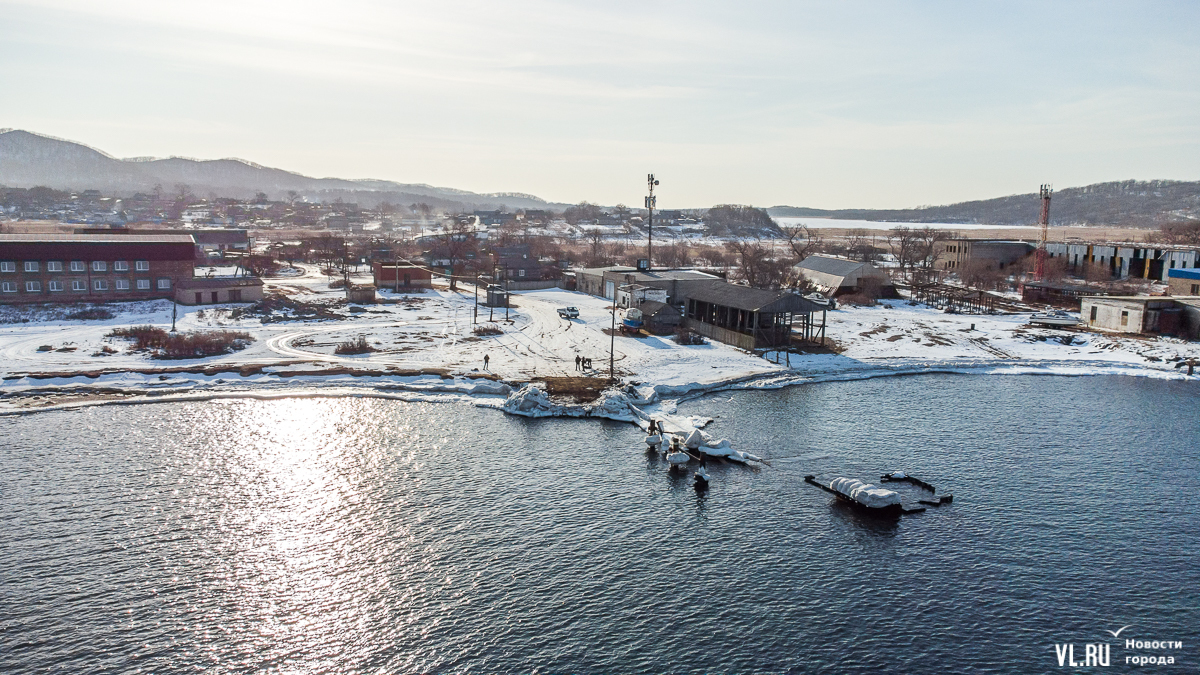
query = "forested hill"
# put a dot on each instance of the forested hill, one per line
(1132, 203)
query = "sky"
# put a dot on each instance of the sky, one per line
(822, 104)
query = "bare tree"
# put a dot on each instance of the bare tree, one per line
(902, 242)
(757, 264)
(595, 242)
(803, 240)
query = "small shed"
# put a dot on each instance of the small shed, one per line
(213, 290)
(1183, 281)
(660, 318)
(840, 276)
(360, 294)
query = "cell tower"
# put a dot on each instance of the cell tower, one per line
(1039, 271)
(650, 203)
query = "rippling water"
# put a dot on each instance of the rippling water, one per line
(332, 535)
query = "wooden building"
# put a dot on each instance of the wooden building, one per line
(750, 318)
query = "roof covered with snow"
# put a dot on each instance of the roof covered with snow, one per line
(752, 299)
(57, 237)
(838, 267)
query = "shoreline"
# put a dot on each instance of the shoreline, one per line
(623, 403)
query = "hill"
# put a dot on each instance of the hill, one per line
(1130, 203)
(30, 160)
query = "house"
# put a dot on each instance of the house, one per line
(954, 254)
(1183, 281)
(92, 267)
(841, 276)
(401, 276)
(749, 318)
(1136, 314)
(212, 290)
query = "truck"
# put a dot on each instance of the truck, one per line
(568, 312)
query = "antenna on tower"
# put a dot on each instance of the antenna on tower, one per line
(1039, 270)
(650, 204)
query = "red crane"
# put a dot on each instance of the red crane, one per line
(1039, 271)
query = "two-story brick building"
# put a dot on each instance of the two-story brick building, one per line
(53, 267)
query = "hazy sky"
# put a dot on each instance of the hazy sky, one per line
(847, 104)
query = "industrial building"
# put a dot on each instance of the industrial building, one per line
(955, 254)
(93, 267)
(1140, 261)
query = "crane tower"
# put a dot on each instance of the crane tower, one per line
(1040, 260)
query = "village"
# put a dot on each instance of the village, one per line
(477, 310)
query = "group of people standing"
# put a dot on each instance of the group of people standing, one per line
(582, 363)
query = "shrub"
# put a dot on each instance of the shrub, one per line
(358, 345)
(92, 313)
(487, 329)
(337, 283)
(164, 345)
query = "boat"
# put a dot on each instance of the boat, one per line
(1055, 318)
(870, 499)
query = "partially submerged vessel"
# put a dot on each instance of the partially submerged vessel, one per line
(870, 499)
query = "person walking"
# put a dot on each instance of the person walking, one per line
(485, 361)
(578, 362)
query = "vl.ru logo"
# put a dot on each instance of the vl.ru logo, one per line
(1093, 655)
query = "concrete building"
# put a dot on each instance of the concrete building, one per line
(213, 290)
(1183, 281)
(678, 284)
(841, 276)
(590, 280)
(92, 267)
(750, 318)
(955, 254)
(1140, 261)
(1135, 314)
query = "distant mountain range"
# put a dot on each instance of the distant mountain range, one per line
(30, 160)
(1130, 203)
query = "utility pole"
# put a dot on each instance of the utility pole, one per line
(1039, 270)
(612, 343)
(650, 203)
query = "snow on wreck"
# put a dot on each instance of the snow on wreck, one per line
(870, 498)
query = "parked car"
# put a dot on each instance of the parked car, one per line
(568, 312)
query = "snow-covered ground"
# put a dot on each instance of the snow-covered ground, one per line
(425, 350)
